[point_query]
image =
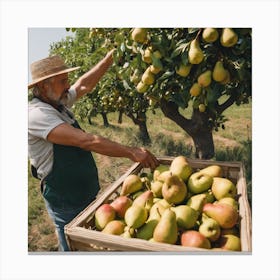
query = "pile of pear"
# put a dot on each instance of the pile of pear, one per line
(175, 204)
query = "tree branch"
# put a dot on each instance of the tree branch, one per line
(222, 107)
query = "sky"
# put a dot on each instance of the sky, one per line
(39, 41)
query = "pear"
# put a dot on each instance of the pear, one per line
(181, 167)
(219, 72)
(103, 215)
(148, 78)
(121, 204)
(166, 230)
(195, 89)
(193, 238)
(129, 232)
(230, 242)
(141, 87)
(158, 170)
(145, 200)
(159, 207)
(135, 216)
(210, 35)
(195, 53)
(163, 176)
(197, 201)
(210, 229)
(223, 187)
(229, 200)
(228, 37)
(227, 78)
(204, 79)
(154, 69)
(201, 108)
(156, 188)
(226, 215)
(139, 35)
(212, 170)
(183, 70)
(147, 55)
(186, 216)
(174, 190)
(115, 227)
(132, 183)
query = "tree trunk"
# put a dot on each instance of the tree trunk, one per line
(120, 116)
(140, 120)
(197, 127)
(105, 119)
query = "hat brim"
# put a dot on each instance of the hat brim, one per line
(33, 83)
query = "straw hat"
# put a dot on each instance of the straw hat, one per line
(48, 67)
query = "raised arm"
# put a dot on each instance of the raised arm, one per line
(88, 81)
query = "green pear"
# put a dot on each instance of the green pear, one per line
(135, 216)
(145, 200)
(197, 202)
(210, 35)
(195, 53)
(210, 198)
(128, 232)
(195, 89)
(163, 176)
(199, 182)
(186, 216)
(148, 78)
(156, 188)
(158, 170)
(139, 35)
(210, 229)
(174, 189)
(181, 167)
(228, 37)
(115, 227)
(219, 72)
(205, 78)
(131, 184)
(212, 170)
(159, 207)
(166, 230)
(223, 187)
(226, 215)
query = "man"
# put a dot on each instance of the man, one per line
(59, 150)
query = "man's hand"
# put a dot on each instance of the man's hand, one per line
(145, 157)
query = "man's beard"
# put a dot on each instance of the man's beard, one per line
(57, 102)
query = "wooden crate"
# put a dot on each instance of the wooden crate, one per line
(81, 235)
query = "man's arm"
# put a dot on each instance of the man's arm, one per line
(65, 134)
(88, 81)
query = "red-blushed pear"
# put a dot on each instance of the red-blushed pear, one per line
(226, 215)
(132, 183)
(193, 238)
(181, 167)
(166, 230)
(103, 215)
(212, 170)
(115, 227)
(174, 189)
(223, 187)
(230, 242)
(199, 182)
(145, 199)
(210, 229)
(121, 204)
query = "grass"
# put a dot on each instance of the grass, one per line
(232, 144)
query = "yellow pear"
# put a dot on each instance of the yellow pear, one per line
(219, 72)
(195, 53)
(210, 35)
(184, 70)
(147, 55)
(205, 79)
(148, 78)
(212, 170)
(195, 90)
(159, 169)
(228, 37)
(132, 183)
(155, 70)
(181, 167)
(201, 108)
(141, 87)
(135, 216)
(139, 35)
(227, 78)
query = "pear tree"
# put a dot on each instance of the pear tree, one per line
(204, 70)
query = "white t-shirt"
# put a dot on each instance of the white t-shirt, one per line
(42, 118)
